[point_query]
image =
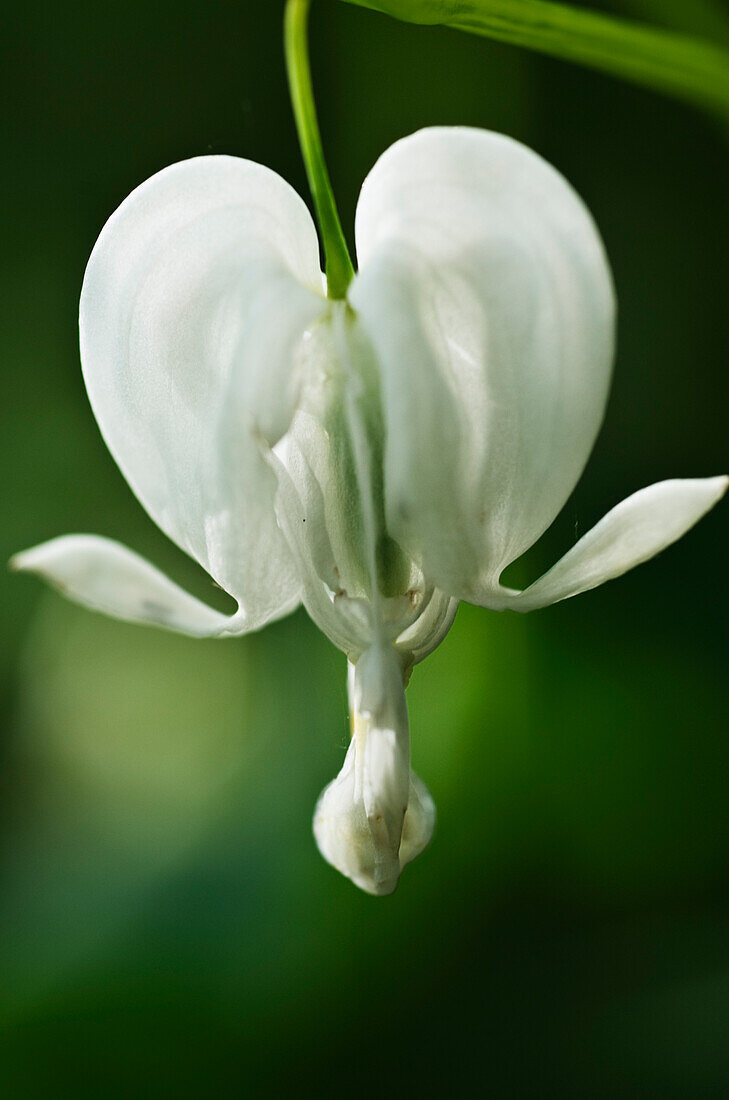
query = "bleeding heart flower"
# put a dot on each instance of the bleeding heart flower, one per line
(378, 457)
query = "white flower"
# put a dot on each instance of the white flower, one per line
(379, 458)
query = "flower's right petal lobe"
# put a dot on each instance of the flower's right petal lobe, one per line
(485, 290)
(105, 576)
(194, 307)
(632, 532)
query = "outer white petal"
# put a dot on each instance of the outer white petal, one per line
(105, 576)
(486, 292)
(632, 532)
(193, 308)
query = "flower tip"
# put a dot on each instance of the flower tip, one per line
(19, 562)
(352, 843)
(33, 560)
(42, 560)
(716, 488)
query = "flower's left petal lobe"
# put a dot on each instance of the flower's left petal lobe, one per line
(193, 312)
(485, 290)
(632, 532)
(105, 576)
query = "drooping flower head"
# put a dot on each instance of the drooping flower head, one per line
(377, 458)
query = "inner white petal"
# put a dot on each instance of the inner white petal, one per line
(376, 816)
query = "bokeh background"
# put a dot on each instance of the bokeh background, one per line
(167, 927)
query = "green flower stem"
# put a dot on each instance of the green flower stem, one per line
(688, 68)
(338, 265)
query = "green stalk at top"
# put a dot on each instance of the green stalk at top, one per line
(337, 263)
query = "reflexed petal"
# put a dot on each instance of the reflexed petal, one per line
(634, 531)
(103, 575)
(485, 290)
(193, 309)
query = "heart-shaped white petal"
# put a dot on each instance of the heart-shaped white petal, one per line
(193, 309)
(486, 292)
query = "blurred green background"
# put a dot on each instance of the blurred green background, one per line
(167, 927)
